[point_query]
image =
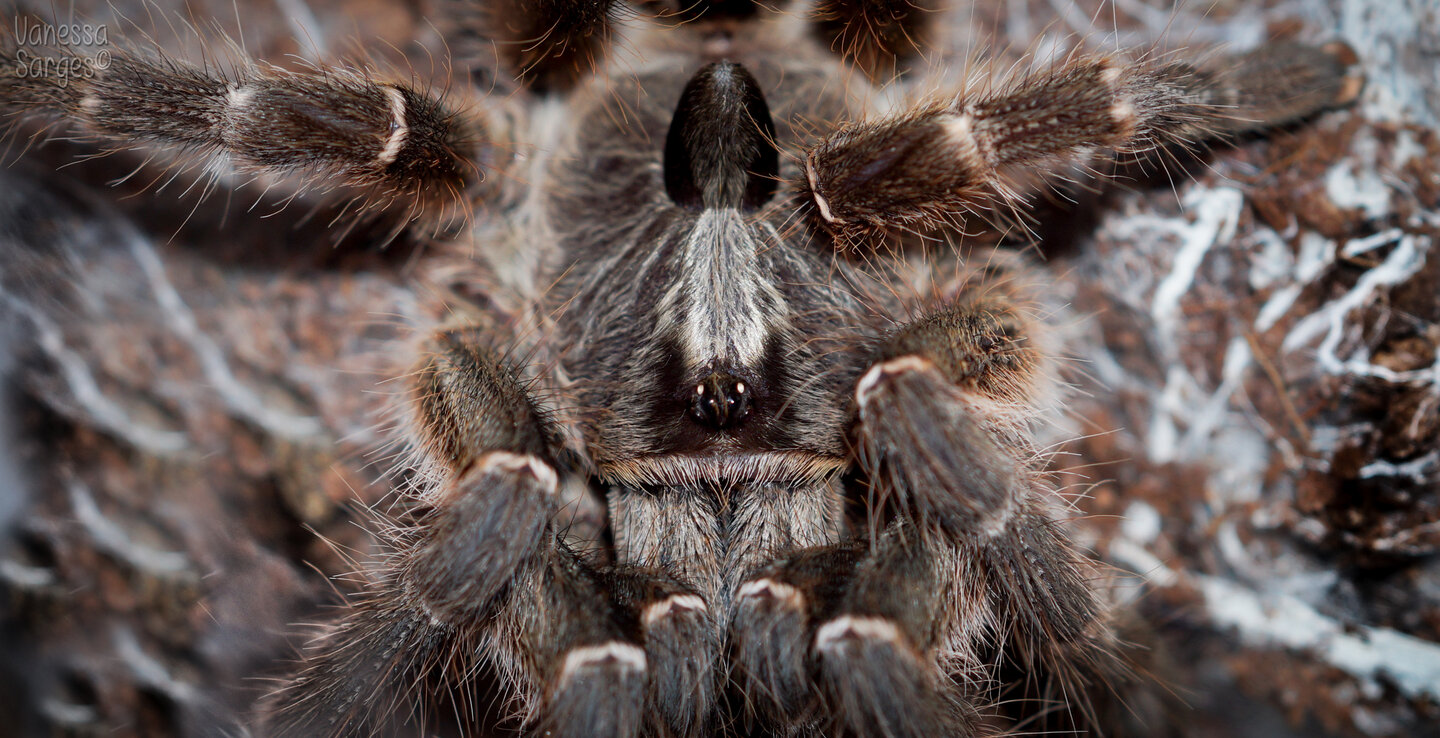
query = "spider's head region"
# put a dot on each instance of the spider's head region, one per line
(698, 300)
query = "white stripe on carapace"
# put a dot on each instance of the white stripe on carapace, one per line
(720, 305)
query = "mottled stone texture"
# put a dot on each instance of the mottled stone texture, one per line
(1263, 394)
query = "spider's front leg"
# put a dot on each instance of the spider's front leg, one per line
(481, 572)
(943, 160)
(386, 142)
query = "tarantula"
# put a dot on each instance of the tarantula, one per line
(720, 283)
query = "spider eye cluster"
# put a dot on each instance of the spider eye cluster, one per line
(720, 401)
(720, 151)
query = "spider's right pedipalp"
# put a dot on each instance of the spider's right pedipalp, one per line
(882, 632)
(944, 433)
(934, 164)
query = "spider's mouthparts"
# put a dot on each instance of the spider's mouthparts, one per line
(720, 401)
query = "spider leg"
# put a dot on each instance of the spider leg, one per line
(934, 164)
(544, 44)
(772, 629)
(877, 650)
(447, 570)
(942, 436)
(391, 142)
(479, 572)
(681, 644)
(566, 630)
(886, 636)
(878, 36)
(879, 637)
(843, 639)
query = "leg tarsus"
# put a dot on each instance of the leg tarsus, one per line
(878, 685)
(479, 532)
(877, 654)
(773, 629)
(358, 676)
(583, 648)
(600, 692)
(1279, 83)
(681, 645)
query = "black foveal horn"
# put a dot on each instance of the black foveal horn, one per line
(720, 151)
